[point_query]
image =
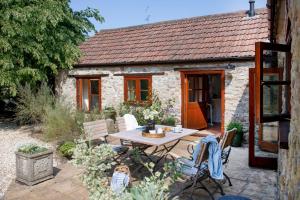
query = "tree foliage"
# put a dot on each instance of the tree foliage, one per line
(39, 37)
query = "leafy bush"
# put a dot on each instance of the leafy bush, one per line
(110, 113)
(237, 141)
(237, 125)
(32, 103)
(66, 149)
(169, 121)
(165, 110)
(97, 163)
(61, 124)
(31, 149)
(93, 115)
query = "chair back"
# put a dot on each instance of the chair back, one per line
(228, 138)
(96, 129)
(203, 154)
(121, 124)
(130, 122)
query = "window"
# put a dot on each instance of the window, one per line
(273, 92)
(137, 89)
(273, 83)
(88, 93)
(197, 89)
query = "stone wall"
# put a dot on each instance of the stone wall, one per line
(167, 86)
(237, 95)
(289, 160)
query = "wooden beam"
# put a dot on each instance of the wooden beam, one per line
(140, 74)
(229, 66)
(88, 76)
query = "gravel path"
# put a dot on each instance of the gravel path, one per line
(11, 137)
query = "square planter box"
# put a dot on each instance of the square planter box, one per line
(34, 168)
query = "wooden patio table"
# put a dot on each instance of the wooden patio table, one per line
(162, 146)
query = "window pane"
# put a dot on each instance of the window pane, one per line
(94, 87)
(144, 84)
(85, 100)
(94, 102)
(131, 95)
(191, 96)
(144, 95)
(271, 96)
(199, 83)
(131, 84)
(198, 95)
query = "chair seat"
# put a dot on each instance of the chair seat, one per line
(119, 149)
(187, 166)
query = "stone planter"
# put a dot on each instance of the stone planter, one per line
(34, 168)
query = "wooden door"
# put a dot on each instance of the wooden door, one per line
(256, 142)
(196, 86)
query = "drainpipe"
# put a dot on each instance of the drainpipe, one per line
(251, 12)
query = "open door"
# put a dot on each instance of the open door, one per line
(196, 90)
(269, 102)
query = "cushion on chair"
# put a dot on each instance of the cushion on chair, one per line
(119, 149)
(233, 197)
(187, 166)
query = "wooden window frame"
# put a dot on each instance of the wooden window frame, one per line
(259, 82)
(138, 89)
(79, 91)
(284, 118)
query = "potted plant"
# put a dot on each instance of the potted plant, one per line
(34, 164)
(238, 139)
(150, 116)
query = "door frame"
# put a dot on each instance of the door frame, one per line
(261, 162)
(184, 95)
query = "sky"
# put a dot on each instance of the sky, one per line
(122, 13)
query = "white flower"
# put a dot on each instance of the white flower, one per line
(150, 114)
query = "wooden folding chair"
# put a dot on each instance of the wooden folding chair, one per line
(226, 143)
(97, 132)
(197, 173)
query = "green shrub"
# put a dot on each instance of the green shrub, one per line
(97, 163)
(238, 139)
(61, 124)
(237, 125)
(67, 149)
(169, 121)
(32, 103)
(93, 115)
(137, 110)
(110, 113)
(31, 149)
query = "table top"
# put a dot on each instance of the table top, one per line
(136, 136)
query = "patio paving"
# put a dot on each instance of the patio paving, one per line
(256, 184)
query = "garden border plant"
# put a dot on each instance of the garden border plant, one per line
(97, 163)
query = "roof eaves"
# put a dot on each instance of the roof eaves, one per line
(244, 58)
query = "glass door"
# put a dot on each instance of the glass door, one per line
(269, 98)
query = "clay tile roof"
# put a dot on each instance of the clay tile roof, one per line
(212, 37)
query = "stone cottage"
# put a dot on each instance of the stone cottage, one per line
(202, 63)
